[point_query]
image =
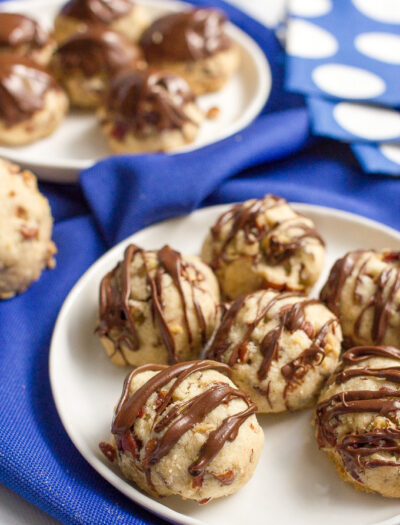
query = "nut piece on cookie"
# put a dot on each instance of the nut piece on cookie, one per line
(85, 63)
(149, 111)
(26, 224)
(157, 307)
(23, 36)
(281, 346)
(185, 430)
(193, 44)
(264, 244)
(32, 104)
(363, 289)
(357, 419)
(121, 16)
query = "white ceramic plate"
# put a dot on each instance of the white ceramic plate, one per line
(294, 481)
(78, 143)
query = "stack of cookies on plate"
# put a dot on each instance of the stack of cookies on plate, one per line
(215, 339)
(141, 76)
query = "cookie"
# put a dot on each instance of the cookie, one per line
(357, 419)
(157, 307)
(26, 225)
(281, 346)
(149, 111)
(185, 430)
(23, 36)
(193, 45)
(363, 288)
(32, 104)
(264, 244)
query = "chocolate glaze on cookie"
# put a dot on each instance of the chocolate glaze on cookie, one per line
(97, 11)
(23, 86)
(98, 50)
(355, 449)
(115, 312)
(17, 30)
(174, 423)
(186, 36)
(139, 100)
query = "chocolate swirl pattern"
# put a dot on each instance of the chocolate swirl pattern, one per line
(17, 30)
(97, 11)
(372, 282)
(273, 341)
(173, 415)
(121, 318)
(357, 419)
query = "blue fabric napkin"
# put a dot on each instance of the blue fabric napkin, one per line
(116, 198)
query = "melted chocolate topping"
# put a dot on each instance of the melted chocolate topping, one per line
(98, 50)
(16, 30)
(170, 425)
(381, 301)
(116, 315)
(138, 100)
(191, 35)
(356, 448)
(23, 85)
(244, 218)
(97, 11)
(291, 317)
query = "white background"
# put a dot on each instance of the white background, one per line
(13, 509)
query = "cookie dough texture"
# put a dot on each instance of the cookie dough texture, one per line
(281, 347)
(195, 434)
(194, 46)
(363, 288)
(25, 230)
(149, 111)
(358, 419)
(264, 244)
(157, 307)
(121, 16)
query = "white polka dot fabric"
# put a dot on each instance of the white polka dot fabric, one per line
(344, 55)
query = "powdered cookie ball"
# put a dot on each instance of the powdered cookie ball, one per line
(85, 63)
(121, 16)
(149, 112)
(363, 289)
(281, 347)
(23, 36)
(193, 45)
(185, 430)
(25, 230)
(157, 307)
(32, 105)
(264, 244)
(358, 419)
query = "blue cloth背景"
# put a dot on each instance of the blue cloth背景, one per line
(116, 198)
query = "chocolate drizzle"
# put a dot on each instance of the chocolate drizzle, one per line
(98, 50)
(140, 100)
(387, 286)
(17, 30)
(171, 424)
(185, 36)
(355, 449)
(244, 219)
(290, 317)
(23, 86)
(97, 11)
(117, 315)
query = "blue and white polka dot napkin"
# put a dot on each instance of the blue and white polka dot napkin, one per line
(344, 55)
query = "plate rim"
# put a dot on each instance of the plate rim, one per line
(123, 486)
(254, 108)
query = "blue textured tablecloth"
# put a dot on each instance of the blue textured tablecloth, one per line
(116, 198)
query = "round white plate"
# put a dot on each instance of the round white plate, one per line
(78, 143)
(294, 482)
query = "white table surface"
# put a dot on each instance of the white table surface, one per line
(14, 510)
